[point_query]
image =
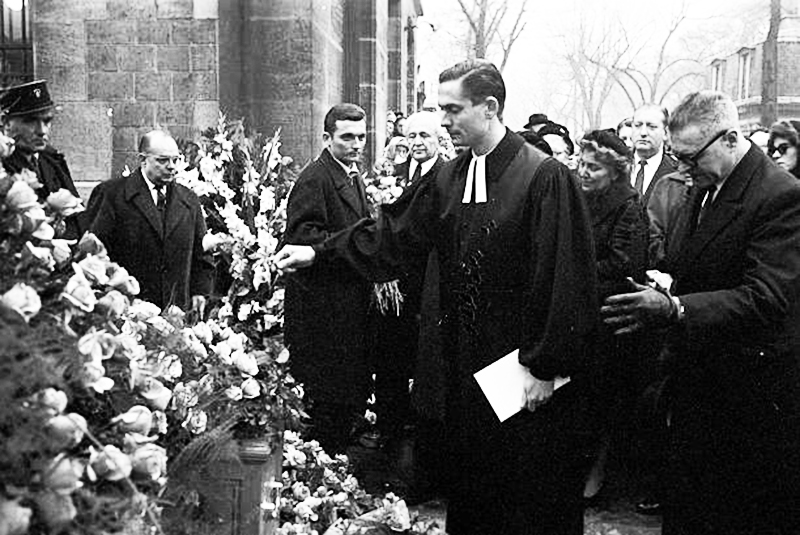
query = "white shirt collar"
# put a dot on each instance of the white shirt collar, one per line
(152, 187)
(347, 168)
(427, 165)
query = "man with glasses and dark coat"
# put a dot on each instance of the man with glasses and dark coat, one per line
(154, 227)
(731, 392)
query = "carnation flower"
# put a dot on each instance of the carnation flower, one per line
(64, 203)
(137, 419)
(110, 463)
(150, 460)
(23, 299)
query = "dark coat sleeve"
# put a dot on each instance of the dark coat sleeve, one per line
(307, 220)
(563, 312)
(381, 249)
(625, 249)
(202, 277)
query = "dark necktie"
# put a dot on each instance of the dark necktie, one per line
(161, 204)
(417, 174)
(639, 183)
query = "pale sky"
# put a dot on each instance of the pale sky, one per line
(538, 76)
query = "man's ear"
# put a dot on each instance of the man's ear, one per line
(732, 138)
(492, 107)
(326, 137)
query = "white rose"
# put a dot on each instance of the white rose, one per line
(196, 422)
(157, 395)
(245, 362)
(111, 464)
(51, 400)
(250, 388)
(94, 268)
(23, 299)
(64, 203)
(150, 460)
(137, 419)
(234, 393)
(91, 244)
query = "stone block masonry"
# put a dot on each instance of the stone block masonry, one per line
(145, 64)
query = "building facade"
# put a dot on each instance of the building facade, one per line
(118, 68)
(741, 74)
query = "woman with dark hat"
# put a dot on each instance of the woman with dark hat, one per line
(782, 146)
(620, 229)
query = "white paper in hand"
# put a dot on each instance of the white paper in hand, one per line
(502, 382)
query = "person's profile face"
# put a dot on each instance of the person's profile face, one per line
(594, 175)
(30, 132)
(625, 134)
(348, 141)
(467, 123)
(783, 153)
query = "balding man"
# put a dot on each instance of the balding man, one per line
(732, 389)
(154, 227)
(651, 162)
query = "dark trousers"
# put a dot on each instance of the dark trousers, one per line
(526, 476)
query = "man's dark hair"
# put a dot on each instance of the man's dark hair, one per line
(787, 130)
(480, 79)
(343, 112)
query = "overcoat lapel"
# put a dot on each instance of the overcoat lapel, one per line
(727, 207)
(137, 193)
(341, 182)
(177, 209)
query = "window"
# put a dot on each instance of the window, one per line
(746, 58)
(717, 73)
(16, 46)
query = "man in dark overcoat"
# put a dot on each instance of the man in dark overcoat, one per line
(154, 227)
(732, 393)
(27, 117)
(517, 272)
(326, 306)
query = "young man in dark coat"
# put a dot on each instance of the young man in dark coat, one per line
(326, 306)
(517, 272)
(732, 392)
(154, 227)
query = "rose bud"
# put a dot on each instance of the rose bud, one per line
(137, 419)
(23, 299)
(111, 464)
(65, 430)
(51, 400)
(64, 203)
(150, 460)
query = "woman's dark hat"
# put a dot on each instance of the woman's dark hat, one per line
(608, 139)
(25, 99)
(536, 118)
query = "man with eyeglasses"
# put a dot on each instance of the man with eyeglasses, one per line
(731, 392)
(154, 227)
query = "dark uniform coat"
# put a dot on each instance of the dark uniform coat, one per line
(517, 272)
(668, 165)
(166, 258)
(326, 305)
(734, 395)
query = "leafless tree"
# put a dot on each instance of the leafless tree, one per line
(486, 22)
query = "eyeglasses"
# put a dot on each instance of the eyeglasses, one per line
(694, 158)
(781, 149)
(164, 160)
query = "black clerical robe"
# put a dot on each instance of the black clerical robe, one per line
(516, 272)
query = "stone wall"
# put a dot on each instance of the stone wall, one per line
(119, 68)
